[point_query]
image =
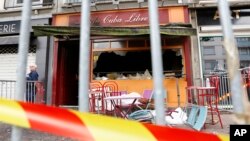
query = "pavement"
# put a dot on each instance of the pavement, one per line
(227, 120)
(30, 135)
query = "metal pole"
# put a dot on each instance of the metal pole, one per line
(232, 58)
(156, 57)
(84, 57)
(50, 73)
(178, 92)
(23, 47)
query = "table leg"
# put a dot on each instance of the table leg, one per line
(122, 113)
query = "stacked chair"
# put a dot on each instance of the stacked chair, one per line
(110, 89)
(95, 97)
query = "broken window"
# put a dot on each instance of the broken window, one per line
(133, 64)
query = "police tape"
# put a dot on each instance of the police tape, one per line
(92, 127)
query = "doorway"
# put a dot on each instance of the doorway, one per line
(67, 74)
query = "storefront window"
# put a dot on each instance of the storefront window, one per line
(118, 44)
(133, 62)
(136, 43)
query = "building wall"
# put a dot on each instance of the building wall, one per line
(65, 6)
(61, 6)
(195, 53)
(41, 55)
(210, 36)
(41, 15)
(1, 5)
(9, 12)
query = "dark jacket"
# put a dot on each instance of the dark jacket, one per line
(33, 76)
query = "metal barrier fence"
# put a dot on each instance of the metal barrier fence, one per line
(34, 91)
(225, 98)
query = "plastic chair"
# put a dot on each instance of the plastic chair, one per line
(197, 117)
(193, 115)
(201, 118)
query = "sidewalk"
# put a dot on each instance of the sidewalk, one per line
(226, 120)
(29, 135)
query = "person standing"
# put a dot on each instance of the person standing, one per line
(31, 77)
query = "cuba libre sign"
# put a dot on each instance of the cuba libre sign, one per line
(136, 17)
(11, 27)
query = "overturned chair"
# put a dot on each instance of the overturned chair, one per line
(192, 115)
(194, 118)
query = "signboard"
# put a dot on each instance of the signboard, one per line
(10, 27)
(211, 17)
(135, 17)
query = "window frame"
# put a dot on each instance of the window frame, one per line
(209, 50)
(212, 64)
(33, 3)
(243, 51)
(127, 48)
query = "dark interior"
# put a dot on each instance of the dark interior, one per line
(68, 61)
(135, 62)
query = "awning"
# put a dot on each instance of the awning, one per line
(170, 29)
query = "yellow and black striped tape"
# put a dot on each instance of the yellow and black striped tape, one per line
(91, 127)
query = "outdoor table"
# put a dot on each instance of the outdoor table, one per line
(118, 107)
(206, 96)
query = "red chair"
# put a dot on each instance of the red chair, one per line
(215, 82)
(110, 88)
(209, 96)
(95, 96)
